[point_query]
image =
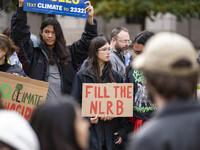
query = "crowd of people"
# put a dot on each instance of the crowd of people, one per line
(161, 66)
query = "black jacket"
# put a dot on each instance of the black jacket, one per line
(143, 107)
(102, 129)
(174, 127)
(34, 59)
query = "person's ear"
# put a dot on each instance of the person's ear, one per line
(113, 40)
(5, 51)
(41, 32)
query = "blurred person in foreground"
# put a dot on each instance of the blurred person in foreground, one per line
(59, 126)
(171, 71)
(16, 133)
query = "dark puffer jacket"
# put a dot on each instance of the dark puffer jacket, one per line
(34, 59)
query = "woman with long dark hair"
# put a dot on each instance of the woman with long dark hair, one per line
(55, 50)
(51, 60)
(98, 69)
(59, 126)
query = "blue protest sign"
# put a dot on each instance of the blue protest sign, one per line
(74, 8)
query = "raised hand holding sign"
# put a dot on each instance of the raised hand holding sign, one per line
(74, 8)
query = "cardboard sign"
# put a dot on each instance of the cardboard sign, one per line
(111, 99)
(22, 94)
(73, 8)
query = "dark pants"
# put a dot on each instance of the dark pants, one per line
(104, 147)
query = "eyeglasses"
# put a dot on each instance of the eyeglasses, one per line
(137, 52)
(124, 41)
(105, 49)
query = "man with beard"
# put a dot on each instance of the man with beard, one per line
(120, 41)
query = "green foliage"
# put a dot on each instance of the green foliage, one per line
(141, 8)
(146, 8)
(12, 6)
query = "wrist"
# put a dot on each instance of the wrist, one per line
(20, 4)
(90, 20)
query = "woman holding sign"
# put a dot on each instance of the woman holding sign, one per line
(51, 60)
(7, 48)
(106, 132)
